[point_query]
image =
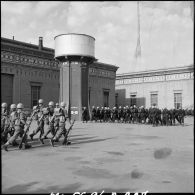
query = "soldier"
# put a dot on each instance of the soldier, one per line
(93, 111)
(4, 114)
(57, 105)
(98, 113)
(114, 114)
(120, 114)
(181, 114)
(39, 118)
(142, 114)
(85, 114)
(19, 124)
(49, 121)
(127, 114)
(153, 115)
(131, 114)
(62, 116)
(158, 116)
(101, 114)
(12, 119)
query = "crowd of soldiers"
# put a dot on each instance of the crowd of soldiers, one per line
(52, 119)
(134, 114)
(15, 123)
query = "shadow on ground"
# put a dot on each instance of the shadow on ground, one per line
(27, 188)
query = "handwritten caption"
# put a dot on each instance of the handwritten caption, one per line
(96, 193)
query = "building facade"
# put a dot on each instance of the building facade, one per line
(29, 72)
(170, 88)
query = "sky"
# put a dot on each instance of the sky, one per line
(166, 29)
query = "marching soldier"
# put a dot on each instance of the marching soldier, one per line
(39, 118)
(93, 111)
(85, 114)
(13, 112)
(49, 121)
(98, 113)
(4, 114)
(57, 105)
(4, 122)
(19, 124)
(62, 115)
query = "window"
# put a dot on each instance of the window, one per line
(154, 99)
(106, 98)
(177, 100)
(133, 100)
(35, 95)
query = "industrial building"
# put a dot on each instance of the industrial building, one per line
(170, 88)
(30, 72)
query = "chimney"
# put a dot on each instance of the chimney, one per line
(40, 43)
(13, 37)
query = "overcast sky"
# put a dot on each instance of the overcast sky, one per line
(166, 29)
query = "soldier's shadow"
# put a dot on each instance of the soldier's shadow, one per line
(74, 141)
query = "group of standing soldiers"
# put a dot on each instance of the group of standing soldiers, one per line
(134, 114)
(49, 119)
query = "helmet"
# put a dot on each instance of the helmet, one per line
(62, 104)
(40, 101)
(20, 106)
(51, 103)
(13, 106)
(4, 105)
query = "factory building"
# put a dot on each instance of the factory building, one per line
(170, 88)
(29, 72)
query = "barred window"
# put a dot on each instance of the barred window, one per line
(154, 99)
(35, 95)
(177, 100)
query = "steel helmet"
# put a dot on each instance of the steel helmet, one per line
(40, 101)
(20, 106)
(13, 106)
(51, 103)
(4, 105)
(62, 104)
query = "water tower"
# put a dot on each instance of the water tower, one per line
(74, 52)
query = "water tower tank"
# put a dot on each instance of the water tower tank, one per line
(74, 45)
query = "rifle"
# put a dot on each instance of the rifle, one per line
(26, 131)
(50, 121)
(65, 141)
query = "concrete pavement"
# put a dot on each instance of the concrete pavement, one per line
(105, 156)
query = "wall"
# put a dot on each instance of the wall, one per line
(183, 82)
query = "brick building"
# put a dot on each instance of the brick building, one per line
(29, 72)
(171, 88)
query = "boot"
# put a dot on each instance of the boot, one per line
(31, 137)
(5, 146)
(41, 140)
(26, 146)
(51, 141)
(15, 143)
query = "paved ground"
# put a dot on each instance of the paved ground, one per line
(109, 157)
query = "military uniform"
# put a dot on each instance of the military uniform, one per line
(39, 117)
(61, 114)
(49, 124)
(93, 111)
(19, 124)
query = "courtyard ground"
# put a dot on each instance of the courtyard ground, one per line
(105, 156)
